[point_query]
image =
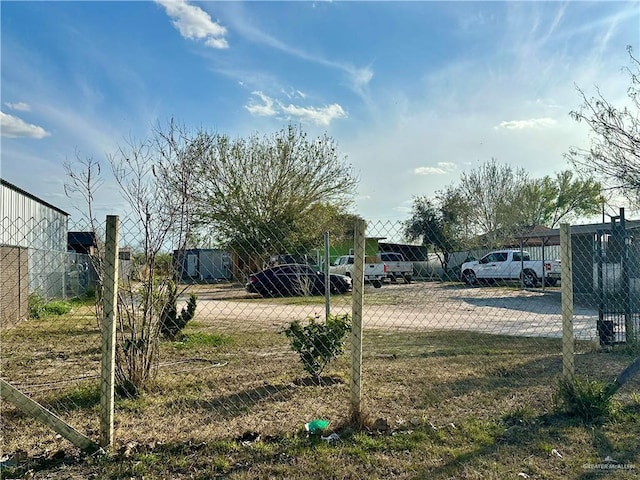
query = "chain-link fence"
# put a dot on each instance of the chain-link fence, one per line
(214, 342)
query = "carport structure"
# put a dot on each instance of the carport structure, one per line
(606, 272)
(586, 256)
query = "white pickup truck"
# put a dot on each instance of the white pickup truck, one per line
(502, 265)
(374, 272)
(397, 266)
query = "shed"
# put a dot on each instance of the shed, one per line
(203, 265)
(33, 257)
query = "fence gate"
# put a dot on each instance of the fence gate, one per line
(617, 282)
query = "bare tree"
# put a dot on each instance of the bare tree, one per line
(491, 190)
(83, 182)
(159, 219)
(614, 154)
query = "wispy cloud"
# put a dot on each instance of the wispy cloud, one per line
(359, 77)
(20, 106)
(270, 107)
(523, 124)
(320, 116)
(14, 127)
(442, 168)
(194, 23)
(264, 109)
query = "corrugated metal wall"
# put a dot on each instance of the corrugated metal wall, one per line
(27, 222)
(31, 223)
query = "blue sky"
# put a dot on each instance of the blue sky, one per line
(414, 93)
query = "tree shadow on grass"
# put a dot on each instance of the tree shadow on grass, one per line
(237, 404)
(325, 381)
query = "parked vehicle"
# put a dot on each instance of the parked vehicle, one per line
(374, 272)
(397, 266)
(295, 279)
(502, 265)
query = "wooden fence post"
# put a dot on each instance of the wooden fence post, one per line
(11, 394)
(356, 325)
(110, 303)
(566, 258)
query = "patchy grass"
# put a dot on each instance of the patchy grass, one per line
(196, 340)
(438, 404)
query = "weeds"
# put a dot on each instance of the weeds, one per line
(199, 340)
(39, 308)
(588, 400)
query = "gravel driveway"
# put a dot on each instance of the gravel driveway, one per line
(417, 306)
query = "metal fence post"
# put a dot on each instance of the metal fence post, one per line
(566, 258)
(327, 278)
(107, 386)
(356, 328)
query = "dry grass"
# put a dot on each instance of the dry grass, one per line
(436, 404)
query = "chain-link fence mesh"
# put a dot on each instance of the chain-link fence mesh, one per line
(50, 346)
(436, 342)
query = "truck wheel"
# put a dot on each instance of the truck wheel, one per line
(550, 282)
(407, 279)
(376, 283)
(469, 277)
(529, 279)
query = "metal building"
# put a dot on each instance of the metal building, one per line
(33, 244)
(203, 265)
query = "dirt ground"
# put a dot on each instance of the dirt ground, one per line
(420, 306)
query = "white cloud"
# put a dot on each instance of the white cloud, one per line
(194, 23)
(20, 106)
(429, 171)
(14, 127)
(270, 107)
(531, 123)
(261, 110)
(402, 209)
(319, 116)
(447, 166)
(358, 78)
(442, 169)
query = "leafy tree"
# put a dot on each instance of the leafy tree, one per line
(438, 224)
(493, 203)
(614, 154)
(266, 193)
(549, 201)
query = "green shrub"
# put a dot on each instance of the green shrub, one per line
(40, 308)
(171, 324)
(318, 343)
(57, 307)
(588, 400)
(36, 306)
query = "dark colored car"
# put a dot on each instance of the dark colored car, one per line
(294, 279)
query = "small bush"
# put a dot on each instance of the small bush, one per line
(36, 306)
(57, 307)
(588, 400)
(318, 343)
(40, 308)
(171, 324)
